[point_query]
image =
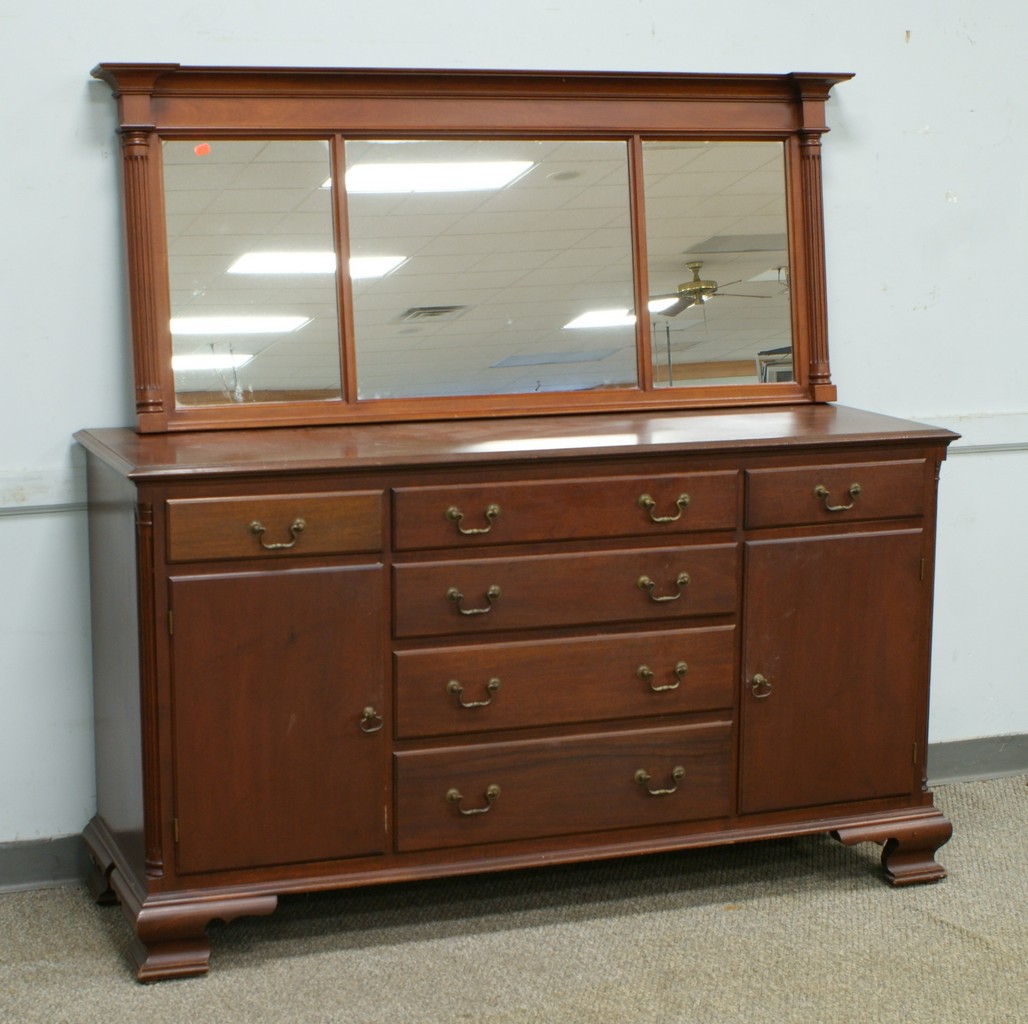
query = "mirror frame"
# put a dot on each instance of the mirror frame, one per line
(168, 101)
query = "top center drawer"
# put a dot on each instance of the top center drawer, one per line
(463, 515)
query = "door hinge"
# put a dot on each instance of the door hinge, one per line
(922, 570)
(915, 753)
(171, 623)
(174, 829)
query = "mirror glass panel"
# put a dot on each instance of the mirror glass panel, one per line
(506, 266)
(718, 262)
(251, 261)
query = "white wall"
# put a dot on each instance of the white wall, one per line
(926, 218)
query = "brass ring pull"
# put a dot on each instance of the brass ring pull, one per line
(760, 686)
(369, 716)
(645, 583)
(643, 778)
(453, 687)
(644, 501)
(454, 596)
(454, 514)
(646, 674)
(298, 526)
(454, 797)
(822, 492)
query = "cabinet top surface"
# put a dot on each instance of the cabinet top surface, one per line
(369, 446)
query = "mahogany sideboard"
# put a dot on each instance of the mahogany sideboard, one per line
(339, 655)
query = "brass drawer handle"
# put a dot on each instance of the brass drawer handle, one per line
(454, 514)
(646, 674)
(453, 687)
(760, 686)
(822, 492)
(454, 797)
(257, 528)
(645, 583)
(644, 501)
(643, 778)
(369, 718)
(454, 596)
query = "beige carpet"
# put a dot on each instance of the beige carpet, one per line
(789, 931)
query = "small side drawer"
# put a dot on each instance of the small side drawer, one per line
(459, 796)
(464, 515)
(276, 525)
(803, 495)
(478, 687)
(647, 585)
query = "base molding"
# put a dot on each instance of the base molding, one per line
(43, 863)
(990, 757)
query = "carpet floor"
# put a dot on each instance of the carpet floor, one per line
(796, 930)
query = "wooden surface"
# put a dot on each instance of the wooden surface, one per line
(294, 708)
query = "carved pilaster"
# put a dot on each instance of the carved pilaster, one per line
(820, 376)
(152, 816)
(143, 283)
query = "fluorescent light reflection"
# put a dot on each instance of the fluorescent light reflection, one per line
(210, 361)
(469, 176)
(237, 324)
(361, 267)
(602, 318)
(615, 317)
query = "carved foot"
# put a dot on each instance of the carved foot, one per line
(908, 846)
(171, 937)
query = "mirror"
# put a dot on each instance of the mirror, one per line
(478, 267)
(304, 244)
(504, 250)
(251, 271)
(718, 261)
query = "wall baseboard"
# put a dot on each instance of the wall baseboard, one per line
(990, 757)
(44, 863)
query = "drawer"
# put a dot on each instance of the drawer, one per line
(476, 687)
(488, 793)
(275, 525)
(507, 513)
(538, 591)
(802, 495)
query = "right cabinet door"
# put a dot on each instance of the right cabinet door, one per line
(835, 640)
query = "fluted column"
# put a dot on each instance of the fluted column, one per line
(820, 376)
(140, 204)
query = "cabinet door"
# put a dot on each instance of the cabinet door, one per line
(271, 673)
(836, 625)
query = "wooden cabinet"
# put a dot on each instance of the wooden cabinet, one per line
(371, 653)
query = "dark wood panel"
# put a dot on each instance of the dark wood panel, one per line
(563, 509)
(551, 682)
(836, 624)
(562, 786)
(271, 672)
(842, 492)
(562, 590)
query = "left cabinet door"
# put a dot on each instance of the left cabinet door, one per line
(277, 689)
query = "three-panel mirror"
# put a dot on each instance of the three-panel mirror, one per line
(347, 246)
(475, 267)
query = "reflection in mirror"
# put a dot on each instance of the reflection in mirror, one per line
(501, 247)
(717, 256)
(251, 262)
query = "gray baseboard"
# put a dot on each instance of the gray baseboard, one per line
(990, 757)
(41, 863)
